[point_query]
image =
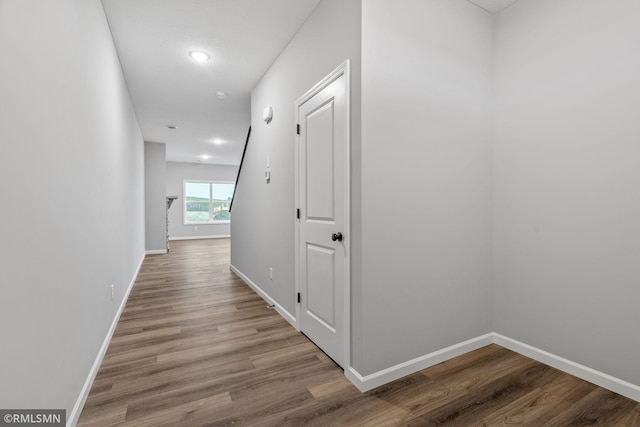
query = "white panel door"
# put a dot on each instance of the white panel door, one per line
(322, 167)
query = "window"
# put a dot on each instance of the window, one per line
(207, 202)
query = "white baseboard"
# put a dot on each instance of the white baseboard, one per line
(376, 379)
(601, 379)
(156, 252)
(72, 420)
(281, 310)
(222, 236)
(371, 381)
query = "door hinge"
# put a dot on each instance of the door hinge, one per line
(298, 129)
(299, 299)
(298, 213)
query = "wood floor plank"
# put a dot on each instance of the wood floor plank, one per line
(195, 346)
(194, 412)
(489, 398)
(600, 407)
(329, 388)
(532, 409)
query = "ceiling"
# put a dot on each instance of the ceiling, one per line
(493, 6)
(168, 88)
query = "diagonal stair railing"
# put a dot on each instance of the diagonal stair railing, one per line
(240, 168)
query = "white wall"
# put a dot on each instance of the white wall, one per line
(262, 228)
(426, 179)
(567, 205)
(155, 200)
(177, 173)
(72, 190)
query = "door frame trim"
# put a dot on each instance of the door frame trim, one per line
(343, 69)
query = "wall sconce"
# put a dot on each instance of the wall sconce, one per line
(267, 114)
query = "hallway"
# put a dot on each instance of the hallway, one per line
(196, 346)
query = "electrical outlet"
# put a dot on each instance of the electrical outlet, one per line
(113, 291)
(270, 273)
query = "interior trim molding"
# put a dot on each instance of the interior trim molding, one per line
(221, 236)
(368, 382)
(156, 252)
(601, 379)
(73, 418)
(280, 309)
(371, 381)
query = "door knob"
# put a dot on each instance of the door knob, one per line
(336, 236)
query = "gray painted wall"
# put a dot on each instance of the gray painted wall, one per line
(565, 234)
(72, 186)
(425, 146)
(262, 228)
(177, 173)
(155, 202)
(426, 179)
(567, 144)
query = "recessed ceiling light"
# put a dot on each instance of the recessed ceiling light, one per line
(199, 56)
(220, 94)
(205, 157)
(172, 127)
(218, 141)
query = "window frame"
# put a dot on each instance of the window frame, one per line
(184, 204)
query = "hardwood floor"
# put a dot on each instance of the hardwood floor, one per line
(195, 346)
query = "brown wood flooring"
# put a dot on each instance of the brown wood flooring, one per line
(195, 346)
